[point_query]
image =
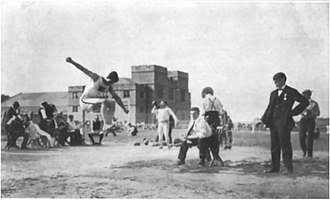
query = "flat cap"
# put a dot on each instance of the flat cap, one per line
(207, 90)
(279, 75)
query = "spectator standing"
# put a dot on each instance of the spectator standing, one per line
(307, 124)
(278, 117)
(163, 117)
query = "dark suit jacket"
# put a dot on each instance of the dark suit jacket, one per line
(280, 108)
(10, 113)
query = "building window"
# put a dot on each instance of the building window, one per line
(160, 92)
(141, 109)
(126, 93)
(183, 95)
(74, 108)
(142, 94)
(170, 93)
(74, 95)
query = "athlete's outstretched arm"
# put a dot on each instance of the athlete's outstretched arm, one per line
(91, 74)
(117, 99)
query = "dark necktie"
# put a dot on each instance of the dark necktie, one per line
(191, 128)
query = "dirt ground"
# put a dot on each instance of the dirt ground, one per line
(118, 169)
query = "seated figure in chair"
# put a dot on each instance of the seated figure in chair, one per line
(59, 129)
(132, 129)
(36, 133)
(199, 134)
(73, 132)
(96, 127)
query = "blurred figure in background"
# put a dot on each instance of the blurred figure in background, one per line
(96, 128)
(73, 132)
(229, 135)
(307, 124)
(14, 127)
(132, 130)
(35, 132)
(96, 124)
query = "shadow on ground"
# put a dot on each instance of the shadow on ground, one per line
(302, 167)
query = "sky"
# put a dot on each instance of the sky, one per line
(234, 47)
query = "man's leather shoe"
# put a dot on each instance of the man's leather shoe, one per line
(201, 163)
(24, 148)
(180, 162)
(287, 172)
(272, 170)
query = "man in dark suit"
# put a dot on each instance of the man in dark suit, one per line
(278, 117)
(14, 127)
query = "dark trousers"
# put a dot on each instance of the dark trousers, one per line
(63, 136)
(201, 143)
(13, 133)
(75, 138)
(213, 144)
(228, 138)
(281, 140)
(92, 139)
(212, 118)
(307, 126)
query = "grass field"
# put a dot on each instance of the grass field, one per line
(262, 139)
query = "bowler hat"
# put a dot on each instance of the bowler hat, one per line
(207, 90)
(279, 75)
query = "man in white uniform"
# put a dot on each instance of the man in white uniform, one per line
(98, 92)
(163, 116)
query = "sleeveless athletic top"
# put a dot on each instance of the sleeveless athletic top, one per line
(96, 89)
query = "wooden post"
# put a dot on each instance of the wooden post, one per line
(83, 123)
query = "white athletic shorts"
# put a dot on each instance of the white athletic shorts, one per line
(87, 104)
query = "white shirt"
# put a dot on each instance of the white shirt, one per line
(200, 128)
(280, 90)
(71, 125)
(32, 131)
(43, 112)
(163, 114)
(211, 103)
(312, 110)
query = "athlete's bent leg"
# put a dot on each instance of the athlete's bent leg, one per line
(107, 113)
